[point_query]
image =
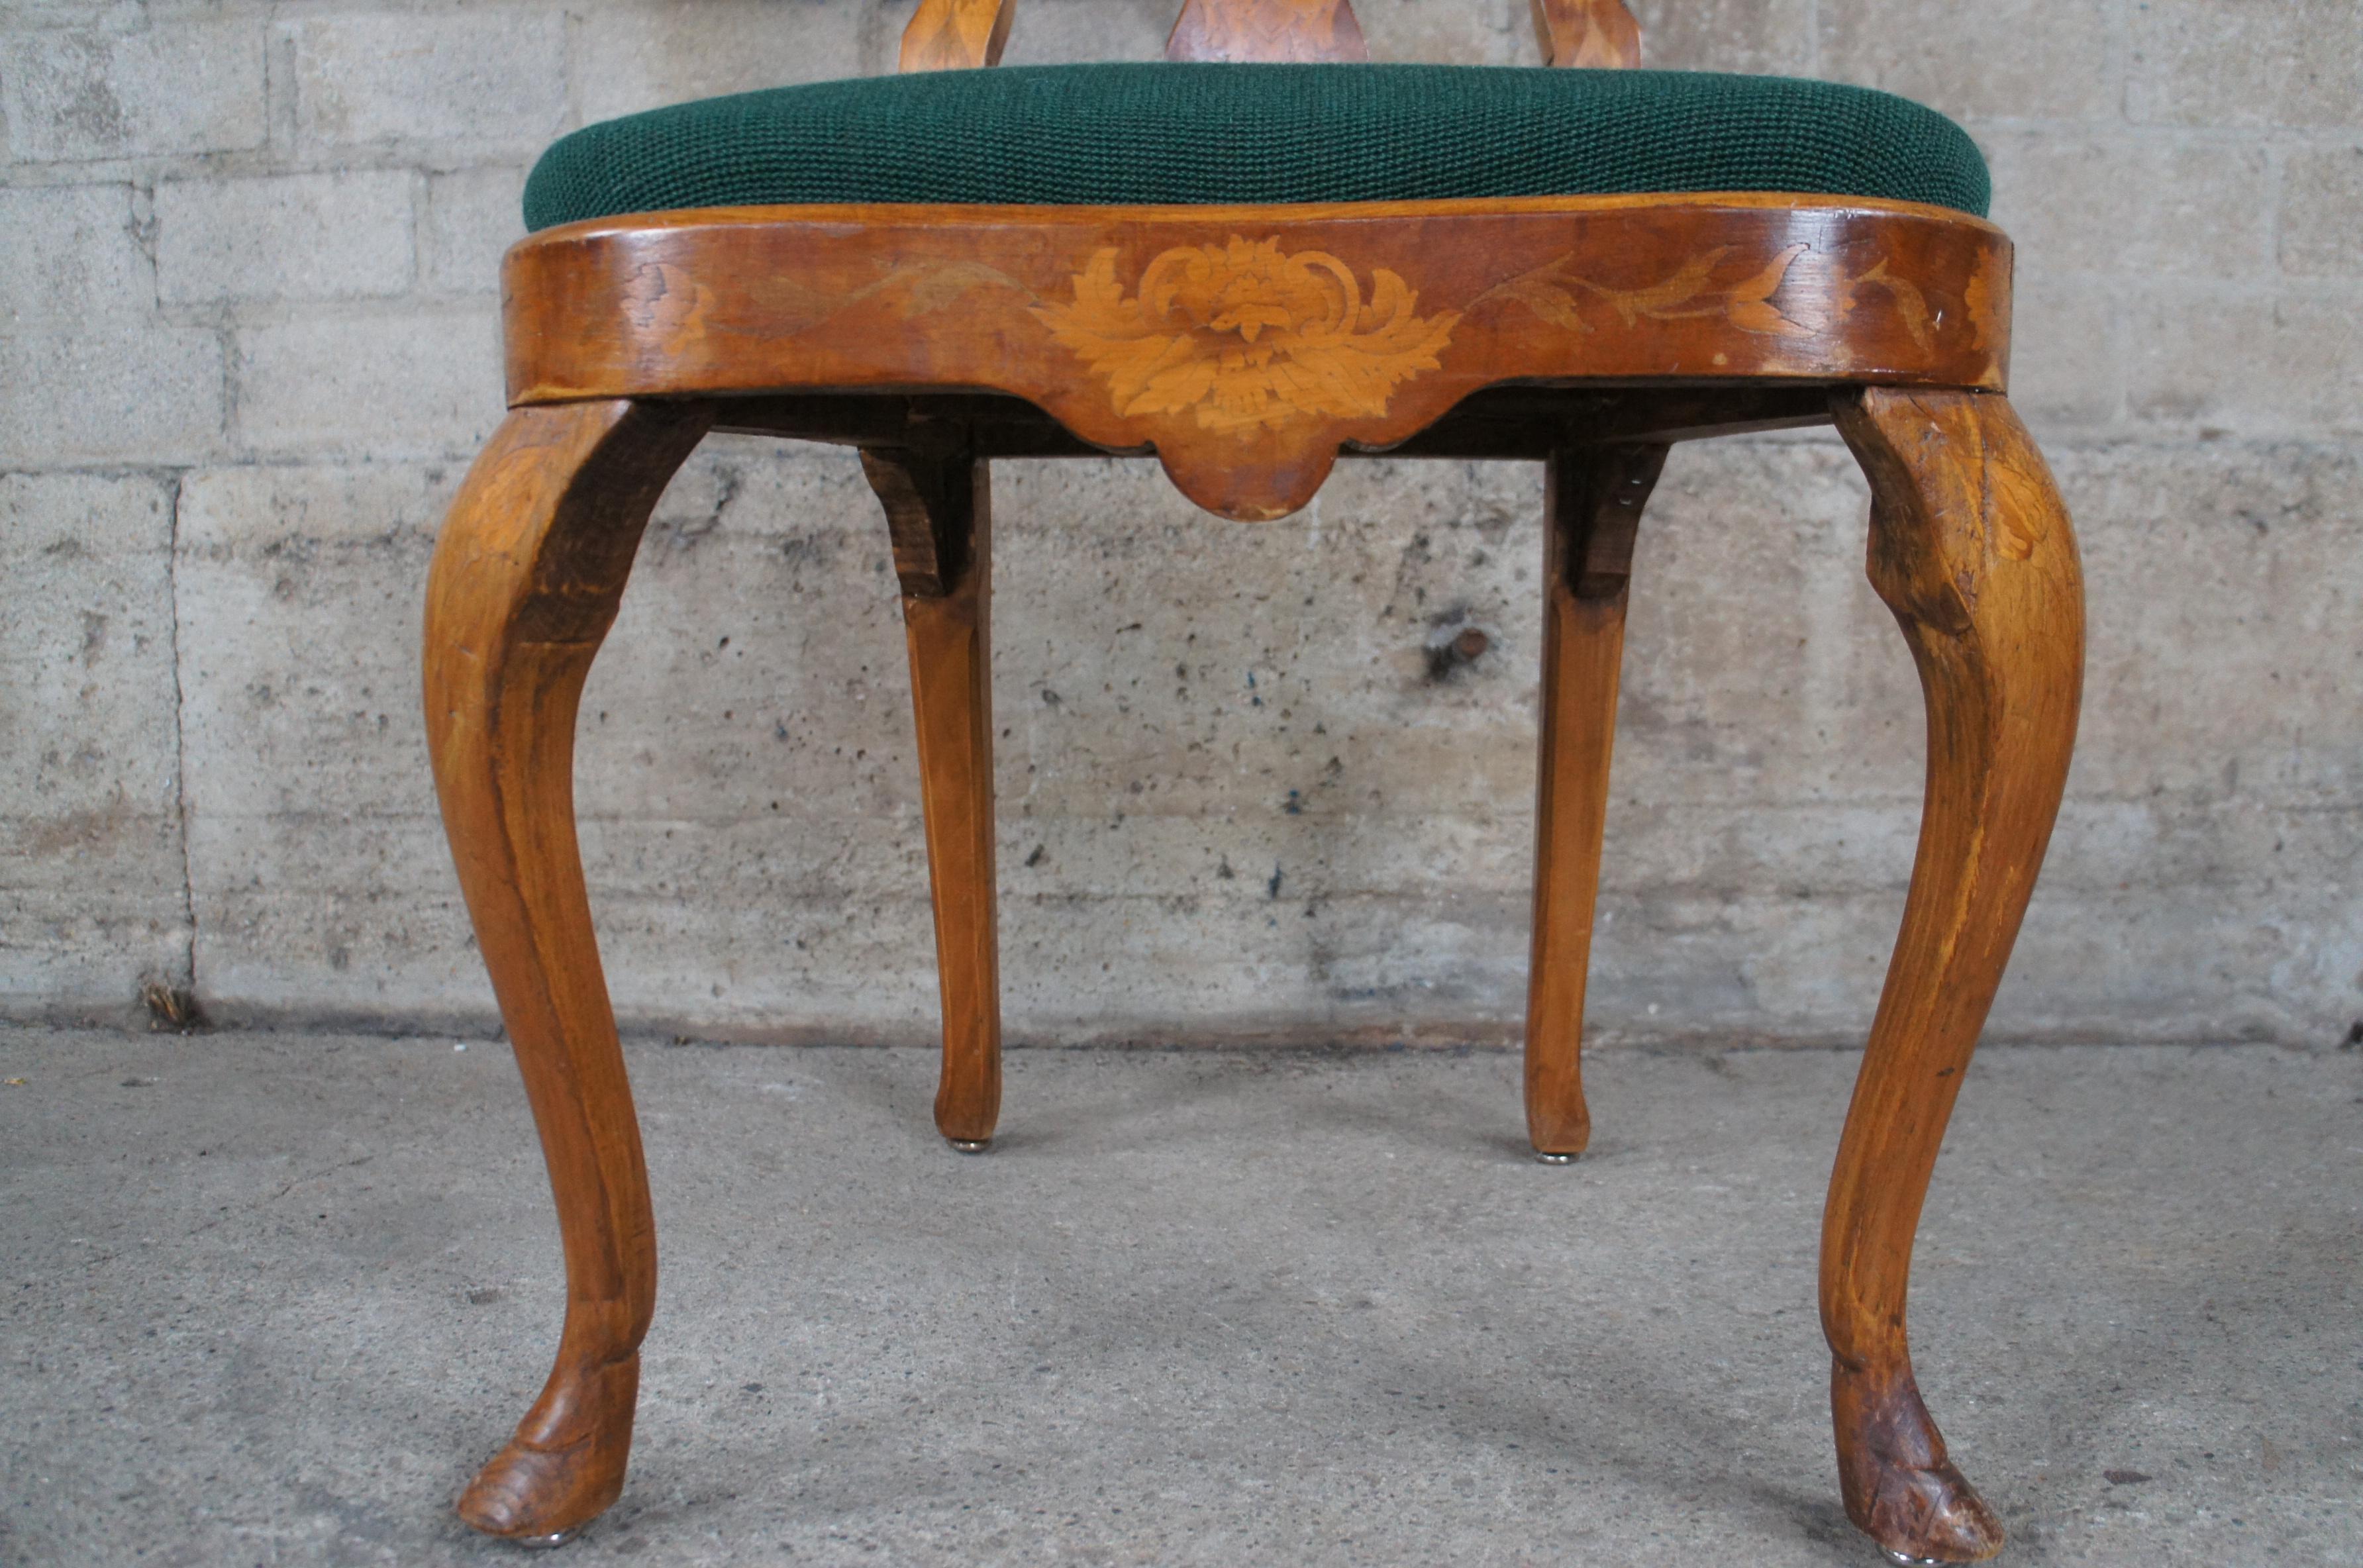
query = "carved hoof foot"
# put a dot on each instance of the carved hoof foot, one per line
(539, 1496)
(1900, 1489)
(565, 1466)
(970, 1145)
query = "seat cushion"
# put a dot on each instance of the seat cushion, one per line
(1172, 133)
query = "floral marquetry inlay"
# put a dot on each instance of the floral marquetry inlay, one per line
(1245, 335)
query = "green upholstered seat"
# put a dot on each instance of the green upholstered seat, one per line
(1259, 133)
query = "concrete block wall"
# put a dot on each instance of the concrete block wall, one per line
(248, 343)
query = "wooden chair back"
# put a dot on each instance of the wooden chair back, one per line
(958, 35)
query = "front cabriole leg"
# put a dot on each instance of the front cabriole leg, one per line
(524, 584)
(1971, 548)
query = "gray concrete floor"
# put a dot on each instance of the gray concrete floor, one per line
(270, 1298)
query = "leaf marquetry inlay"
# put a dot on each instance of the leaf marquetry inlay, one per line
(1686, 293)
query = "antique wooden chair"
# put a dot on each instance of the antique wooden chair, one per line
(1247, 269)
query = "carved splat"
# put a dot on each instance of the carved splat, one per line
(1302, 31)
(956, 35)
(1596, 34)
(960, 35)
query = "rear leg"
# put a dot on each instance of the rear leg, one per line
(1591, 507)
(939, 511)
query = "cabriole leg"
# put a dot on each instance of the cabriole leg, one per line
(938, 508)
(524, 584)
(1971, 548)
(1593, 498)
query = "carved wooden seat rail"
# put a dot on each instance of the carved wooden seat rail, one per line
(1249, 348)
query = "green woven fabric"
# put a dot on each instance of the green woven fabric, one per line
(1069, 134)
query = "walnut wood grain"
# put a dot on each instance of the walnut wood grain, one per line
(956, 35)
(1249, 348)
(524, 585)
(939, 512)
(1246, 345)
(1590, 34)
(1591, 511)
(1297, 32)
(1972, 550)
